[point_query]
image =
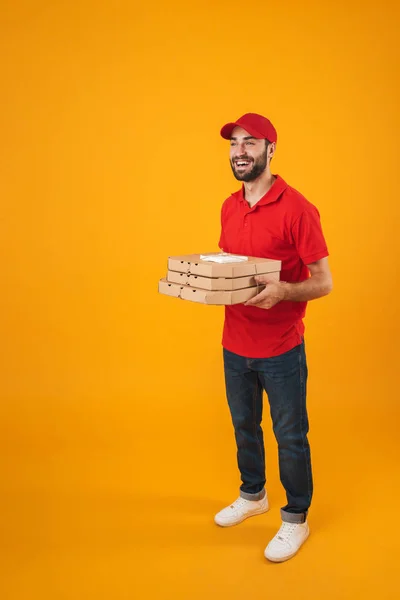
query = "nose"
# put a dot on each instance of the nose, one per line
(240, 151)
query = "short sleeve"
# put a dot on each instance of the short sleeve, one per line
(308, 236)
(222, 241)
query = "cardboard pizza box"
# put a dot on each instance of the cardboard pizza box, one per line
(222, 265)
(214, 283)
(204, 296)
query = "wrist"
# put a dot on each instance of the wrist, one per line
(286, 287)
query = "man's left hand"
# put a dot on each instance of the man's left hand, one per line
(273, 293)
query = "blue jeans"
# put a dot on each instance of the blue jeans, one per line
(284, 380)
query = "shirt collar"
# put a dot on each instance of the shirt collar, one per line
(274, 192)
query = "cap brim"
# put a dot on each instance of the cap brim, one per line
(226, 131)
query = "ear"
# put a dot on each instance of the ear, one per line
(271, 150)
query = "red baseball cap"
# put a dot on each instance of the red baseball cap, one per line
(258, 126)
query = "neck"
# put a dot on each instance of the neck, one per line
(255, 190)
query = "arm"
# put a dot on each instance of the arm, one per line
(317, 285)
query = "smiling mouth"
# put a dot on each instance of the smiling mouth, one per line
(242, 164)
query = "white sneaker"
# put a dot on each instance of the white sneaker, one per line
(287, 541)
(240, 510)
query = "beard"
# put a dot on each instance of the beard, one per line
(251, 172)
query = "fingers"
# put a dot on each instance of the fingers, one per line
(260, 296)
(261, 278)
(255, 300)
(264, 279)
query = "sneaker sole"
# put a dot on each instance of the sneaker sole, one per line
(279, 560)
(254, 514)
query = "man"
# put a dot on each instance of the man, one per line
(263, 344)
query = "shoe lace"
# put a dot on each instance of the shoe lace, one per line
(285, 532)
(239, 502)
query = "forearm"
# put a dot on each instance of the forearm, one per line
(314, 287)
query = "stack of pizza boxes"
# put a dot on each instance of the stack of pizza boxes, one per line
(218, 279)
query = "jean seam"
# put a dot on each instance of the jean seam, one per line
(302, 423)
(254, 418)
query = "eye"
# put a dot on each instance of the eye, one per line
(250, 143)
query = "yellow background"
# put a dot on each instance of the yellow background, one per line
(116, 444)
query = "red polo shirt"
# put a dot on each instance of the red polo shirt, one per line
(283, 225)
